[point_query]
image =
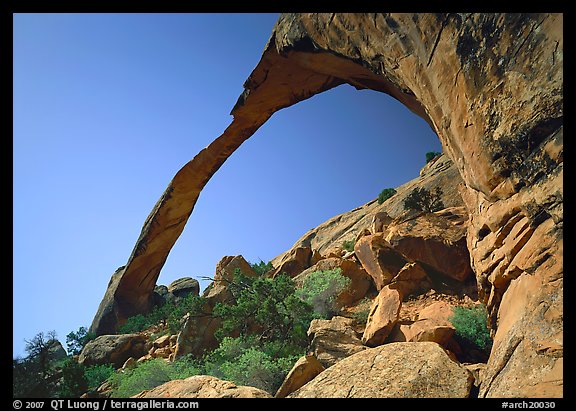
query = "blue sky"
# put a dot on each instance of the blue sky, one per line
(108, 107)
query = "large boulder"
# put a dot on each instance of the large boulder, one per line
(182, 287)
(378, 258)
(202, 386)
(395, 370)
(334, 339)
(294, 262)
(383, 316)
(113, 349)
(432, 239)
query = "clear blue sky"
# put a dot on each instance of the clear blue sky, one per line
(108, 107)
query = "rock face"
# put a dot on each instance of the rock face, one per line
(332, 340)
(491, 86)
(202, 386)
(305, 369)
(114, 349)
(395, 370)
(383, 316)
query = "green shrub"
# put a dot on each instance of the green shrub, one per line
(261, 268)
(247, 361)
(348, 245)
(470, 324)
(75, 341)
(96, 374)
(170, 313)
(144, 376)
(321, 288)
(421, 199)
(267, 306)
(385, 194)
(73, 382)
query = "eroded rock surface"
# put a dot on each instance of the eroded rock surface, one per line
(202, 386)
(395, 370)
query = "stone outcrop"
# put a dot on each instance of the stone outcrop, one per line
(378, 258)
(328, 237)
(439, 241)
(334, 339)
(383, 316)
(491, 87)
(184, 286)
(305, 369)
(113, 349)
(395, 370)
(202, 386)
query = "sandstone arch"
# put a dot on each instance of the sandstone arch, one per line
(490, 85)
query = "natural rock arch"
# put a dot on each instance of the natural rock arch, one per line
(490, 85)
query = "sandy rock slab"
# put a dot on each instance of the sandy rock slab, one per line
(395, 370)
(202, 386)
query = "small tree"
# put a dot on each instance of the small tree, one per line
(75, 341)
(421, 199)
(267, 306)
(385, 194)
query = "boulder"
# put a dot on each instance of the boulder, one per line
(433, 240)
(431, 330)
(332, 340)
(395, 370)
(113, 349)
(384, 314)
(380, 221)
(202, 386)
(360, 280)
(184, 286)
(411, 279)
(378, 258)
(293, 263)
(305, 369)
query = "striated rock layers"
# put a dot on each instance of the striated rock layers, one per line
(491, 86)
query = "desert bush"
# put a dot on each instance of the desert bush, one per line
(320, 289)
(261, 268)
(385, 194)
(421, 199)
(75, 341)
(471, 325)
(348, 245)
(170, 314)
(96, 374)
(144, 376)
(268, 306)
(246, 360)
